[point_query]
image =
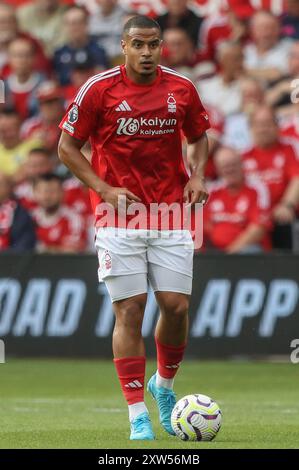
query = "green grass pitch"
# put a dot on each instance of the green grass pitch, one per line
(78, 404)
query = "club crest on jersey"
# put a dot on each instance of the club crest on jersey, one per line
(171, 103)
(242, 205)
(73, 114)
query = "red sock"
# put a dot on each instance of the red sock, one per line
(131, 372)
(169, 359)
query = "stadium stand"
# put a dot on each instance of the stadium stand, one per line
(243, 57)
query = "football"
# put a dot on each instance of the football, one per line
(196, 418)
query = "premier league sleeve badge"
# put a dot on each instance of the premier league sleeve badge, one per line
(73, 114)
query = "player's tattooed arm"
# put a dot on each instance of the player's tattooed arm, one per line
(195, 190)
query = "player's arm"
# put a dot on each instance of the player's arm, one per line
(69, 152)
(195, 190)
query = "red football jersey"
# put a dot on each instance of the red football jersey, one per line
(289, 132)
(76, 196)
(24, 192)
(7, 212)
(275, 166)
(63, 230)
(135, 131)
(227, 214)
(214, 31)
(36, 128)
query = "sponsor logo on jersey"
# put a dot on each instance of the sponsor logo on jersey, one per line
(130, 126)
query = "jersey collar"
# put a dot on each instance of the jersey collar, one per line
(131, 83)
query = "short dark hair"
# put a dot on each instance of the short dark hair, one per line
(81, 8)
(140, 21)
(47, 177)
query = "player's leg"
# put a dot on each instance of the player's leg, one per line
(129, 360)
(170, 337)
(128, 348)
(123, 268)
(170, 274)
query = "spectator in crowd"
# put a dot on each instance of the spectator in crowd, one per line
(22, 83)
(223, 90)
(230, 25)
(44, 125)
(82, 68)
(237, 133)
(16, 226)
(180, 16)
(106, 25)
(290, 20)
(79, 45)
(275, 164)
(38, 162)
(44, 20)
(76, 196)
(280, 92)
(13, 150)
(179, 52)
(19, 3)
(266, 57)
(237, 213)
(59, 229)
(9, 31)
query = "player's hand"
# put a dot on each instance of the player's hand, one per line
(117, 196)
(195, 191)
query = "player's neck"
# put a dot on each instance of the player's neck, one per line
(235, 186)
(138, 78)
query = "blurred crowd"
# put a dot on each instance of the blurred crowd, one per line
(243, 57)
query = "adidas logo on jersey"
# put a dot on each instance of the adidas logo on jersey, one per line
(123, 106)
(135, 384)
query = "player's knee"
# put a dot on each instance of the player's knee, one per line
(177, 307)
(129, 314)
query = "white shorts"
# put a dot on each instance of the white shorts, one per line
(128, 259)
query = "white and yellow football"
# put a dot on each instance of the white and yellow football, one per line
(196, 418)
